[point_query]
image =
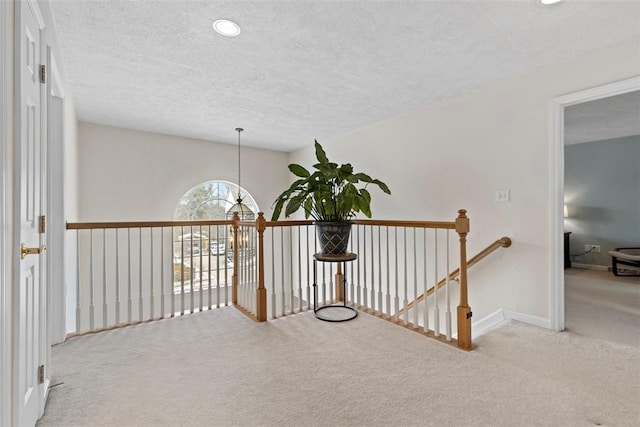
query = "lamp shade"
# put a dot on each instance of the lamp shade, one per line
(566, 212)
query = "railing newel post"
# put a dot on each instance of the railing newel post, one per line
(261, 302)
(464, 311)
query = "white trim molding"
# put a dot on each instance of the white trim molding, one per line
(556, 184)
(6, 89)
(56, 289)
(487, 323)
(526, 318)
(492, 320)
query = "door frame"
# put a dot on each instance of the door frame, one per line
(6, 315)
(56, 292)
(556, 162)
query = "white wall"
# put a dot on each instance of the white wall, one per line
(127, 175)
(457, 153)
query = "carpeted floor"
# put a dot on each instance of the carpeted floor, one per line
(220, 368)
(603, 306)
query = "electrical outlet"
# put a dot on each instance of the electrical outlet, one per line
(592, 248)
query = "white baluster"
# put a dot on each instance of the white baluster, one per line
(364, 267)
(201, 290)
(397, 297)
(292, 303)
(380, 310)
(117, 277)
(181, 241)
(307, 260)
(78, 307)
(436, 310)
(162, 274)
(448, 313)
(373, 292)
(388, 302)
(172, 233)
(405, 300)
(209, 281)
(140, 297)
(273, 275)
(217, 259)
(283, 296)
(91, 306)
(415, 280)
(425, 311)
(129, 279)
(151, 284)
(192, 284)
(358, 284)
(352, 299)
(104, 278)
(300, 298)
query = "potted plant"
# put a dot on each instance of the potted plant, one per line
(332, 195)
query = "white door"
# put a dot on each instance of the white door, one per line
(30, 308)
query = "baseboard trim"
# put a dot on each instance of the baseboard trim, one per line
(492, 320)
(590, 266)
(487, 323)
(527, 318)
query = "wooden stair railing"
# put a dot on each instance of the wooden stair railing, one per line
(503, 242)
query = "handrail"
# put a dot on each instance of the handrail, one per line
(381, 222)
(143, 224)
(451, 225)
(289, 223)
(503, 242)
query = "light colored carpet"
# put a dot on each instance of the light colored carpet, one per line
(601, 305)
(220, 368)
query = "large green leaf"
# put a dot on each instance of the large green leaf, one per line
(293, 205)
(366, 196)
(298, 170)
(320, 154)
(364, 177)
(277, 208)
(382, 186)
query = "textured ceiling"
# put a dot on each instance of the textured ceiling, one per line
(607, 118)
(308, 69)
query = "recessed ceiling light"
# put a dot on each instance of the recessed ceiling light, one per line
(550, 1)
(226, 28)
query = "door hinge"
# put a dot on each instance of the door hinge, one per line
(43, 74)
(42, 224)
(41, 374)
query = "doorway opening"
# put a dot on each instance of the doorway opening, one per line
(559, 110)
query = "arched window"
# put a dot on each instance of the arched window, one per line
(211, 200)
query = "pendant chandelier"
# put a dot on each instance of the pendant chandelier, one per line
(243, 210)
